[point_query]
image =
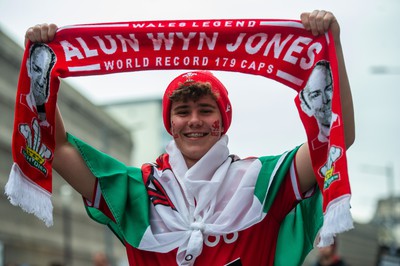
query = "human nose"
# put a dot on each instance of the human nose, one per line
(195, 120)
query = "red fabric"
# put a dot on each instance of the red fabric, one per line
(277, 49)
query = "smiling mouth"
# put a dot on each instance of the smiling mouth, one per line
(195, 135)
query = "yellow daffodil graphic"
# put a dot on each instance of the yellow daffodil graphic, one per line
(328, 169)
(35, 152)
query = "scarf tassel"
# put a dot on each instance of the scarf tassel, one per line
(30, 197)
(337, 219)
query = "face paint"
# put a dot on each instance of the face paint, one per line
(174, 134)
(216, 128)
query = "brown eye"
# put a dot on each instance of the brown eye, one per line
(182, 113)
(206, 111)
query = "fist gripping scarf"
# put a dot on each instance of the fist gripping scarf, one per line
(281, 50)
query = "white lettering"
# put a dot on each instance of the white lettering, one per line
(109, 65)
(315, 48)
(233, 47)
(132, 42)
(252, 65)
(141, 25)
(177, 61)
(126, 64)
(186, 61)
(296, 48)
(197, 24)
(278, 46)
(217, 23)
(113, 44)
(185, 39)
(157, 42)
(145, 61)
(120, 64)
(249, 44)
(209, 41)
(212, 243)
(234, 237)
(88, 52)
(270, 69)
(70, 51)
(227, 240)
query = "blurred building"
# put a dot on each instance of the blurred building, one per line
(143, 118)
(374, 244)
(25, 240)
(387, 218)
(357, 247)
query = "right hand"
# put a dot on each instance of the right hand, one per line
(41, 33)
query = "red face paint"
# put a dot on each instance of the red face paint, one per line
(216, 128)
(174, 135)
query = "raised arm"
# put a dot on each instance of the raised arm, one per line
(67, 160)
(318, 22)
(69, 163)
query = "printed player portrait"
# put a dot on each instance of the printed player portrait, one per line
(316, 99)
(39, 65)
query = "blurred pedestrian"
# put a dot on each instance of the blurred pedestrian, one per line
(328, 256)
(100, 259)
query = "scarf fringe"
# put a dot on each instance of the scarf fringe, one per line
(337, 219)
(30, 197)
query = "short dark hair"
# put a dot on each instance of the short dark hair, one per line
(192, 92)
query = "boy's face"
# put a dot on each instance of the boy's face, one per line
(196, 127)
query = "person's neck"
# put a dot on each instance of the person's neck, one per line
(190, 162)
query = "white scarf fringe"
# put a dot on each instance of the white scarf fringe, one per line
(30, 197)
(337, 219)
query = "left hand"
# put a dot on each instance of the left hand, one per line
(319, 22)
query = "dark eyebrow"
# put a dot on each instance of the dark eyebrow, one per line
(185, 106)
(208, 105)
(180, 107)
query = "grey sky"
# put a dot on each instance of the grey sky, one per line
(370, 37)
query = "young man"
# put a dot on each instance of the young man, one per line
(196, 205)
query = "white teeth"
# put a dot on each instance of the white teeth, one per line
(195, 135)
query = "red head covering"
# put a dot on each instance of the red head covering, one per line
(217, 88)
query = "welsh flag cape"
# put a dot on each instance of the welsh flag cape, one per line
(281, 50)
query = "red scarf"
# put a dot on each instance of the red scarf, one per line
(277, 49)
